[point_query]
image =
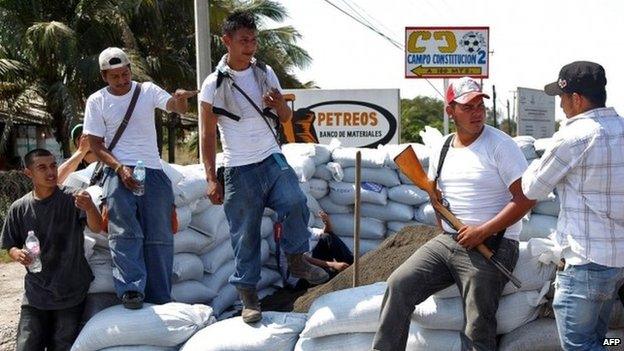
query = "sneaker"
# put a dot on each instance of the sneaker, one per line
(132, 300)
(251, 306)
(299, 267)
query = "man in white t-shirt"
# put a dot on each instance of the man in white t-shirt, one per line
(240, 97)
(480, 179)
(139, 226)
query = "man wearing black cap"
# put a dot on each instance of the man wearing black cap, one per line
(586, 165)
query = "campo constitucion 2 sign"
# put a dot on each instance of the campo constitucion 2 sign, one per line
(358, 117)
(446, 52)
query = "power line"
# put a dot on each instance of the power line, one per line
(371, 27)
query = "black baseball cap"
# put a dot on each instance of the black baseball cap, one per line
(582, 77)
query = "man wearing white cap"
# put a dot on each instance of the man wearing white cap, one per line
(140, 226)
(481, 182)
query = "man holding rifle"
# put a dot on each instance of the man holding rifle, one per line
(481, 182)
(586, 165)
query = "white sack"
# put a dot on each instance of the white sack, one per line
(345, 311)
(186, 267)
(342, 342)
(217, 280)
(396, 226)
(371, 158)
(366, 245)
(157, 325)
(426, 214)
(277, 331)
(318, 188)
(344, 193)
(392, 151)
(217, 257)
(393, 211)
(331, 207)
(184, 217)
(226, 297)
(192, 291)
(421, 339)
(370, 228)
(384, 176)
(538, 226)
(191, 241)
(408, 194)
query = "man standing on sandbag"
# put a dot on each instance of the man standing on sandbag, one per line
(480, 179)
(140, 222)
(58, 275)
(586, 165)
(240, 97)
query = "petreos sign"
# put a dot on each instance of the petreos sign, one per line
(358, 118)
(446, 52)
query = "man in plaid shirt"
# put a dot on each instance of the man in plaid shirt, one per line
(586, 165)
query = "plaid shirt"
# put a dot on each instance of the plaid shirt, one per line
(586, 165)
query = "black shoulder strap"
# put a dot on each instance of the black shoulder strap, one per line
(124, 123)
(264, 117)
(443, 152)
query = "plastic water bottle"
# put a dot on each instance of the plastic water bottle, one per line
(139, 175)
(32, 245)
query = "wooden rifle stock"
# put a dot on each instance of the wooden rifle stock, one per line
(408, 163)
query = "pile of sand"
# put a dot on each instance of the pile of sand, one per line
(376, 265)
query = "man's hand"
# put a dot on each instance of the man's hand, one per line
(274, 99)
(469, 237)
(182, 94)
(83, 144)
(20, 256)
(215, 192)
(338, 266)
(83, 201)
(125, 174)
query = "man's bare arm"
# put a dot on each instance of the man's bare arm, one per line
(103, 154)
(208, 135)
(179, 101)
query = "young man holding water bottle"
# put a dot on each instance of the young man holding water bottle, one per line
(139, 199)
(44, 232)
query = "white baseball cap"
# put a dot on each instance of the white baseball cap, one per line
(463, 90)
(112, 58)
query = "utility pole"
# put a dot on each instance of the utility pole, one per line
(202, 54)
(508, 118)
(445, 83)
(494, 101)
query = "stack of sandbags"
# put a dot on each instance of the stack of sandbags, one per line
(276, 331)
(154, 327)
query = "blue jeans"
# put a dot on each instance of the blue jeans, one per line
(248, 190)
(583, 300)
(140, 236)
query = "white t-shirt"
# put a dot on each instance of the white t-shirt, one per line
(248, 140)
(104, 113)
(475, 180)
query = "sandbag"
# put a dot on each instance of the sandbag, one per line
(217, 280)
(312, 204)
(174, 175)
(514, 310)
(88, 244)
(139, 348)
(192, 291)
(191, 241)
(101, 240)
(529, 270)
(421, 339)
(426, 214)
(267, 278)
(217, 257)
(371, 158)
(101, 265)
(209, 221)
(370, 228)
(408, 194)
(538, 335)
(186, 267)
(266, 227)
(226, 297)
(526, 145)
(96, 302)
(384, 176)
(222, 233)
(538, 226)
(200, 205)
(193, 186)
(396, 226)
(303, 166)
(549, 207)
(344, 193)
(157, 325)
(345, 311)
(542, 144)
(322, 172)
(331, 207)
(392, 151)
(277, 331)
(342, 342)
(393, 211)
(184, 217)
(318, 188)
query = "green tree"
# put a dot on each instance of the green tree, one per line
(417, 113)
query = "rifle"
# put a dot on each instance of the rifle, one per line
(408, 163)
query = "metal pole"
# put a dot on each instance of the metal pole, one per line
(445, 82)
(356, 220)
(202, 52)
(508, 118)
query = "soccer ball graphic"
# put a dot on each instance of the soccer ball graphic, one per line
(473, 42)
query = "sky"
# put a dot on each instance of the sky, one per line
(531, 40)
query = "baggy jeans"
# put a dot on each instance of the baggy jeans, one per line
(140, 236)
(248, 190)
